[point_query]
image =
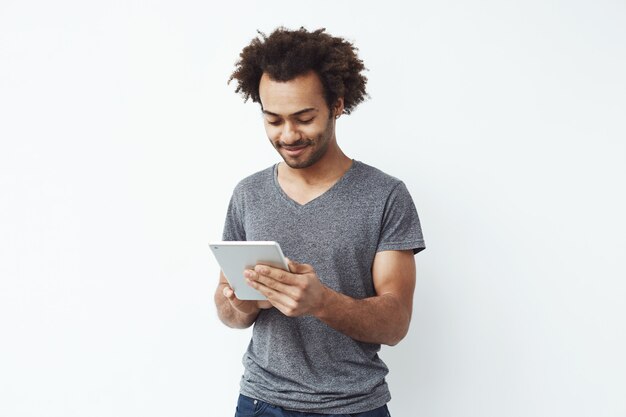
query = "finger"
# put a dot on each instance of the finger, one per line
(277, 274)
(298, 268)
(281, 301)
(289, 262)
(228, 292)
(277, 286)
(264, 304)
(292, 265)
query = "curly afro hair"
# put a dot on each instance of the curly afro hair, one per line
(286, 54)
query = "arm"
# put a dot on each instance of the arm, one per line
(383, 318)
(232, 311)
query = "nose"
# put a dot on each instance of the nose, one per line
(290, 133)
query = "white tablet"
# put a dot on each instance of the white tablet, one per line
(236, 256)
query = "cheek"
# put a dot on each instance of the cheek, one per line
(325, 131)
(272, 132)
(314, 132)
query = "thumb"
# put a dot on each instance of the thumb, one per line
(228, 292)
(297, 268)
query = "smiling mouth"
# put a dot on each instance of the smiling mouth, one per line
(294, 148)
(294, 151)
(295, 145)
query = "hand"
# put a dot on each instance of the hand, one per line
(244, 306)
(296, 292)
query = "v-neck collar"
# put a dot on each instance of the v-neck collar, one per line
(326, 194)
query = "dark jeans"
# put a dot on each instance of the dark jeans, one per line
(249, 407)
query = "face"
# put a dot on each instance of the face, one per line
(297, 119)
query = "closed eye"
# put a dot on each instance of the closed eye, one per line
(279, 122)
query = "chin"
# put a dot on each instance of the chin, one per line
(307, 160)
(298, 164)
(303, 161)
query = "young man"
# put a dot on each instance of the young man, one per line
(349, 230)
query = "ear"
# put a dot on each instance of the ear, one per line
(338, 108)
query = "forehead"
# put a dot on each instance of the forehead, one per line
(288, 97)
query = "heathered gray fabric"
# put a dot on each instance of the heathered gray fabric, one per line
(301, 363)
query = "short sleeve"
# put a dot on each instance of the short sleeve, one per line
(233, 225)
(401, 228)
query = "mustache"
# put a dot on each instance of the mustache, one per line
(301, 142)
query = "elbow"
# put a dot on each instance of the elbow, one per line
(395, 338)
(399, 333)
(396, 320)
(392, 342)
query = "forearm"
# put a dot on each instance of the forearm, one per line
(229, 315)
(380, 319)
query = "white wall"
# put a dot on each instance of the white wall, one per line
(121, 143)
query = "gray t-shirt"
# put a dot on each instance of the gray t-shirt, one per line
(302, 363)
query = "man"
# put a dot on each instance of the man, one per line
(349, 230)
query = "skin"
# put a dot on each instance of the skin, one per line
(301, 127)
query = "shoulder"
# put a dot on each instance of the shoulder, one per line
(374, 179)
(255, 182)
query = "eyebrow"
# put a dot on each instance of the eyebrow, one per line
(299, 112)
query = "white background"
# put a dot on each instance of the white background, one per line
(121, 143)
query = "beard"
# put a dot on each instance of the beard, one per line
(306, 161)
(319, 145)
